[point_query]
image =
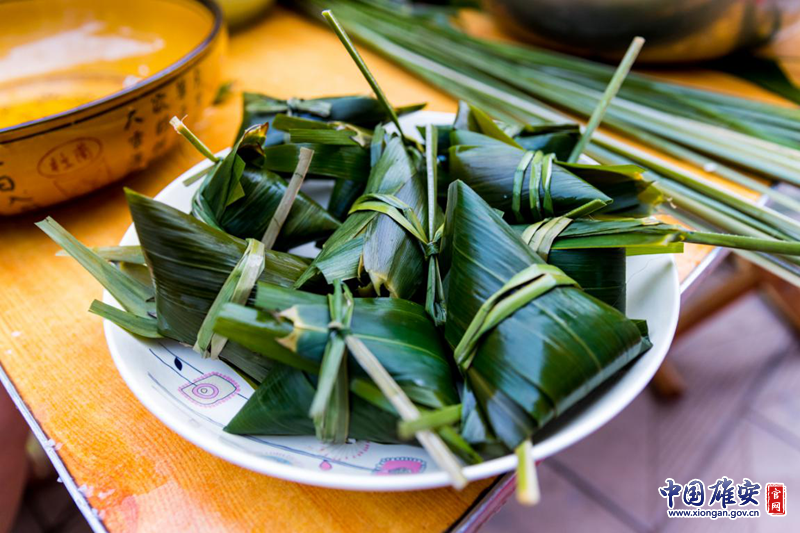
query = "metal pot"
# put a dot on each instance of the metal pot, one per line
(676, 30)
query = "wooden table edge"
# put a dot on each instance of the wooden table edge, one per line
(64, 476)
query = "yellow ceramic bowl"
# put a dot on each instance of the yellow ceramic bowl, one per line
(87, 88)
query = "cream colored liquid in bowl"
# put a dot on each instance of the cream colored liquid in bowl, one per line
(56, 55)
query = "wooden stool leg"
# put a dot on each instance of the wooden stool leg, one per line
(746, 278)
(668, 382)
(13, 464)
(784, 298)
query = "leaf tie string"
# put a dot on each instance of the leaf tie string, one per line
(404, 215)
(538, 166)
(520, 290)
(541, 235)
(299, 105)
(431, 248)
(408, 412)
(544, 169)
(394, 208)
(519, 179)
(330, 406)
(331, 415)
(236, 289)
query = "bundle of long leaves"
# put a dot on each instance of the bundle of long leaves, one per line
(712, 133)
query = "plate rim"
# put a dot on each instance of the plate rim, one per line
(425, 480)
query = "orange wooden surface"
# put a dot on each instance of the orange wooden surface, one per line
(139, 475)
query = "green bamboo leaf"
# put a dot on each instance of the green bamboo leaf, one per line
(287, 123)
(131, 294)
(393, 258)
(346, 192)
(558, 139)
(330, 408)
(490, 171)
(434, 292)
(593, 252)
(326, 137)
(280, 407)
(140, 273)
(250, 216)
(116, 254)
(258, 331)
(241, 198)
(138, 325)
(340, 162)
(343, 195)
(632, 194)
(361, 111)
(476, 120)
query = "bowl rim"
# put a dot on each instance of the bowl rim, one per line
(52, 122)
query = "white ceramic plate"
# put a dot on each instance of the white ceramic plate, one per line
(196, 397)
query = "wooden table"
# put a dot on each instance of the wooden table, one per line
(135, 474)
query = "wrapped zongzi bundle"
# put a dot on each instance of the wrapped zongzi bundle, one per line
(189, 262)
(528, 182)
(168, 285)
(399, 333)
(529, 342)
(370, 247)
(336, 128)
(362, 111)
(240, 196)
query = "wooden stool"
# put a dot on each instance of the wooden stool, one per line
(782, 295)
